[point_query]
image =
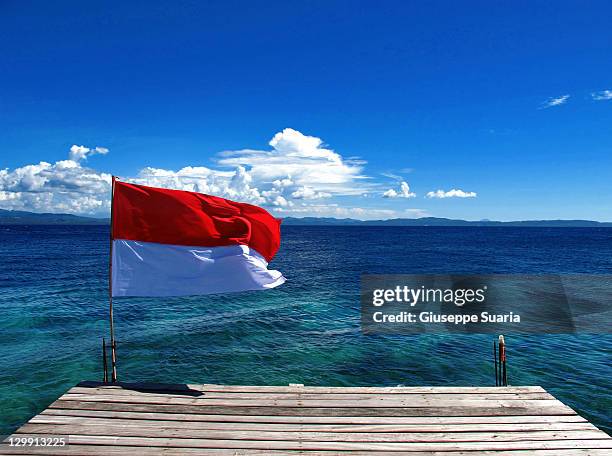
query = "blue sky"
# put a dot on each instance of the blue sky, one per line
(509, 104)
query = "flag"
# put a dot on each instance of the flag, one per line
(179, 243)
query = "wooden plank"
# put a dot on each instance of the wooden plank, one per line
(418, 437)
(374, 402)
(336, 446)
(309, 395)
(391, 420)
(250, 426)
(465, 410)
(318, 389)
(107, 450)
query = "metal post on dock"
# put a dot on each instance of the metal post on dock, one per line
(495, 362)
(503, 375)
(104, 364)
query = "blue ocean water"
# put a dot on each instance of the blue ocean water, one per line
(53, 282)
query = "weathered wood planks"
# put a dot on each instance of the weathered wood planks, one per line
(315, 427)
(152, 419)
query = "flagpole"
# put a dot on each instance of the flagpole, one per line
(110, 289)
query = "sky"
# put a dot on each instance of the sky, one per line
(370, 110)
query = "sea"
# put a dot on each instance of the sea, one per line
(54, 314)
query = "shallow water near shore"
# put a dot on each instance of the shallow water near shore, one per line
(55, 311)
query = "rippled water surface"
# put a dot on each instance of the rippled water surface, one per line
(54, 313)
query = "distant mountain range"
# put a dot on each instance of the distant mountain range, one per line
(437, 221)
(32, 218)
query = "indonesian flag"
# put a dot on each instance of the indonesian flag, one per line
(178, 243)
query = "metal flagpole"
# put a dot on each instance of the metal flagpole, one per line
(110, 289)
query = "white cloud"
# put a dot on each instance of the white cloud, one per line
(403, 192)
(280, 201)
(309, 193)
(557, 101)
(65, 186)
(602, 95)
(78, 153)
(237, 184)
(297, 167)
(286, 182)
(392, 176)
(302, 159)
(454, 193)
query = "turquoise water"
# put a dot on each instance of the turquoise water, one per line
(54, 314)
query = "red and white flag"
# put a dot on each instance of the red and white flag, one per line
(178, 243)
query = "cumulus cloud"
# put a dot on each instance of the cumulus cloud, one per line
(454, 193)
(309, 193)
(78, 153)
(403, 192)
(297, 167)
(602, 95)
(556, 101)
(65, 186)
(305, 161)
(236, 184)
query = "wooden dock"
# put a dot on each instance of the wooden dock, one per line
(155, 419)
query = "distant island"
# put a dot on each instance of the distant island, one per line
(32, 218)
(438, 221)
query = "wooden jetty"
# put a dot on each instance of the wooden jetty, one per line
(155, 419)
